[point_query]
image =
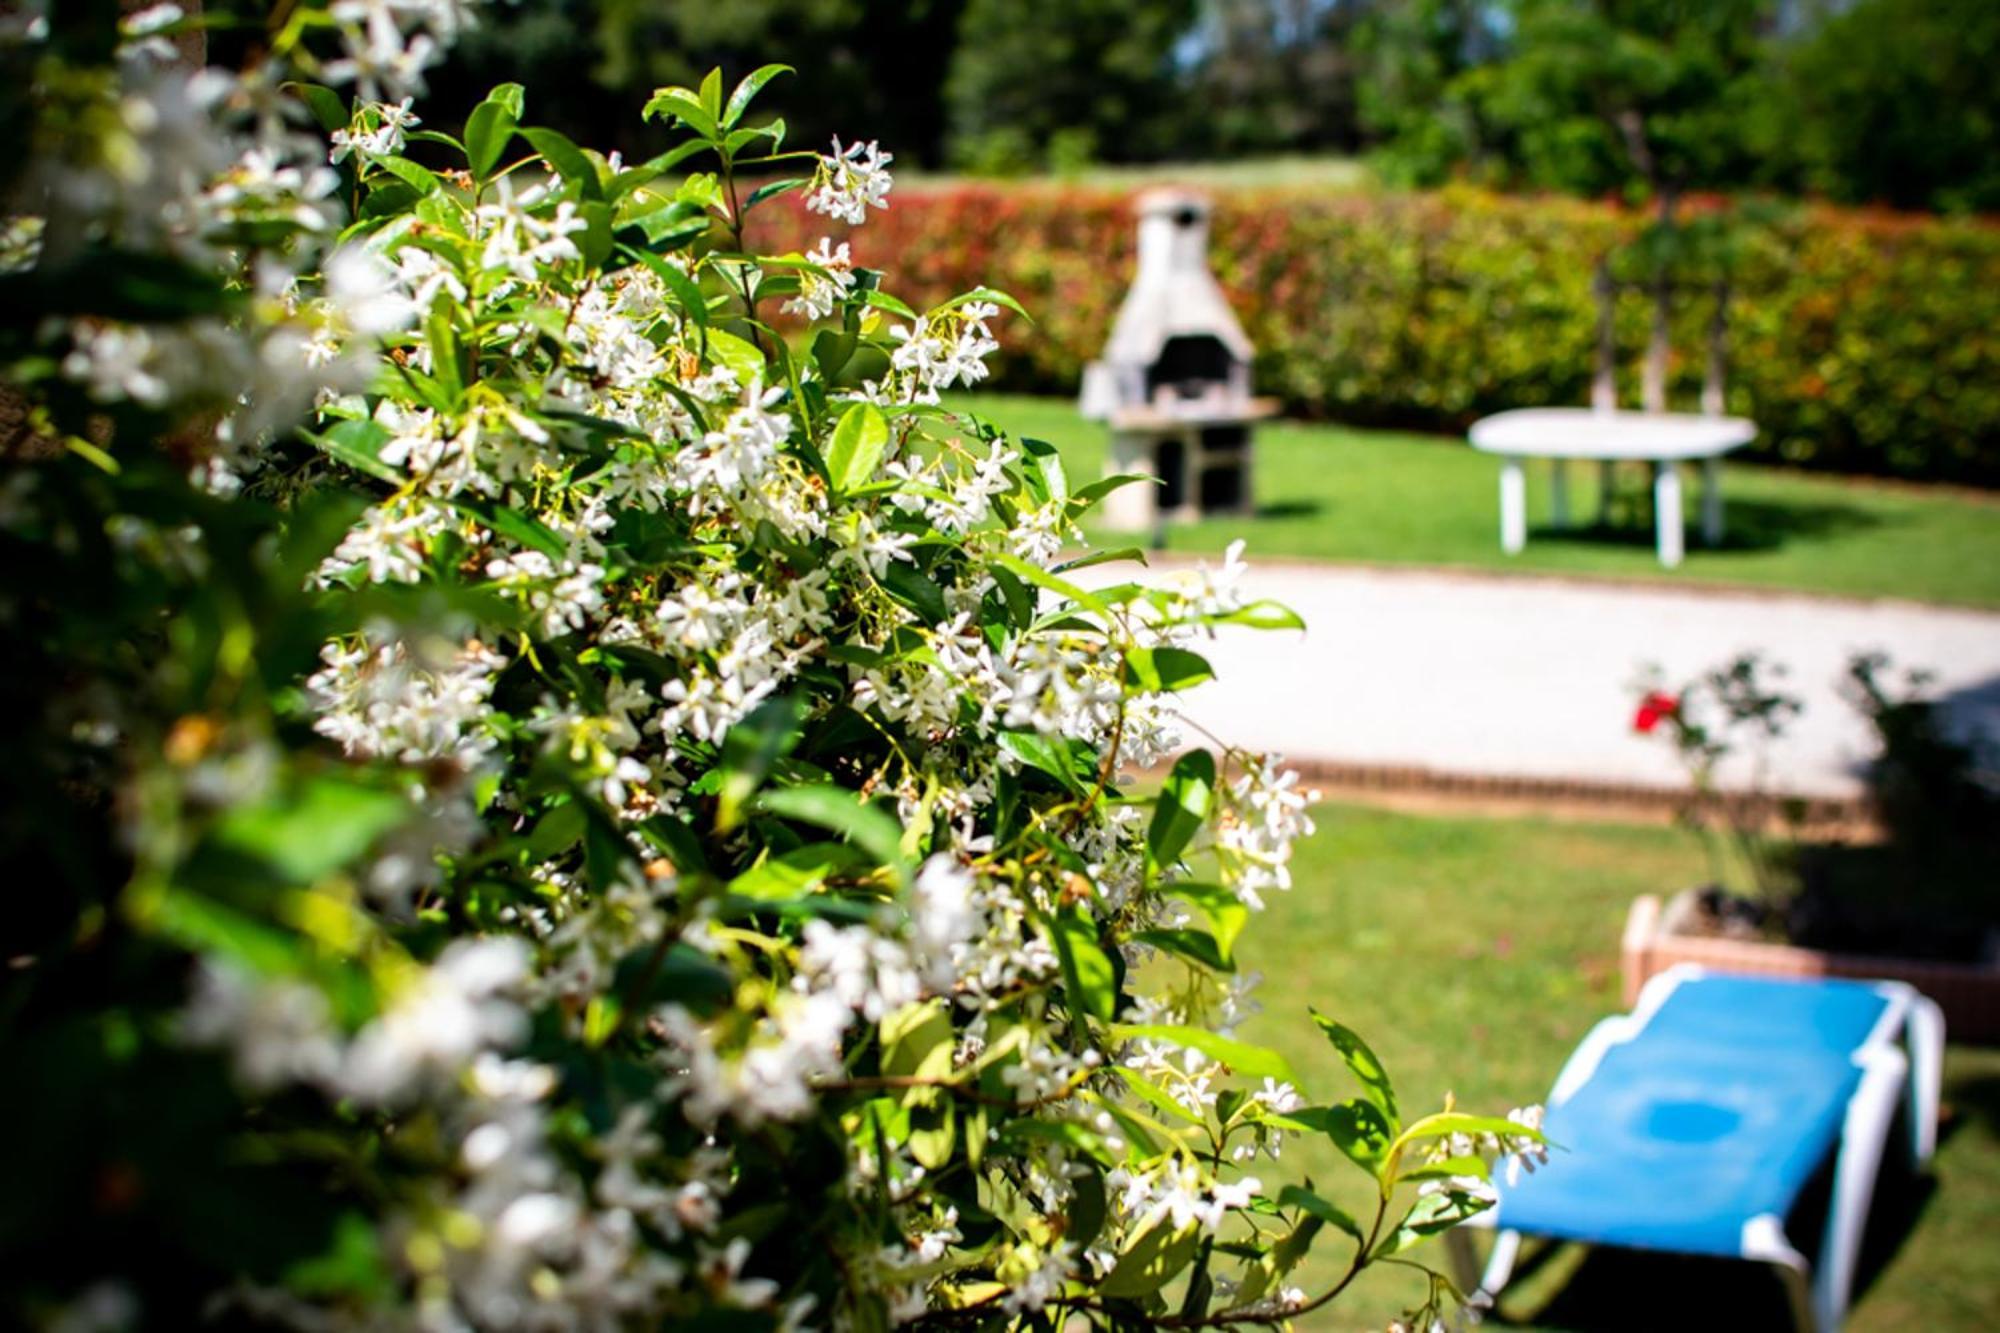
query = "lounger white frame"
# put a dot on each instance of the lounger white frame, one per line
(1902, 1059)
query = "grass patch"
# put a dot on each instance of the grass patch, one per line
(1473, 954)
(1330, 492)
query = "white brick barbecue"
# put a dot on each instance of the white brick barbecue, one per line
(1174, 380)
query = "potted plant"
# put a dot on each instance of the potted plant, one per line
(1911, 901)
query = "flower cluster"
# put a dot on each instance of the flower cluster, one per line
(850, 181)
(610, 816)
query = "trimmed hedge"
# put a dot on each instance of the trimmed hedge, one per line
(1860, 341)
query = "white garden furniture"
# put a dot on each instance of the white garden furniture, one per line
(1563, 434)
(1608, 436)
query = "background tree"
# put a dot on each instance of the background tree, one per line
(1896, 102)
(1079, 78)
(1277, 75)
(860, 64)
(1420, 65)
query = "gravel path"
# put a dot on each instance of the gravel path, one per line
(1500, 677)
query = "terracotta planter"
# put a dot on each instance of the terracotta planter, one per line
(1969, 993)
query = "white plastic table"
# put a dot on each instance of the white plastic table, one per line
(1664, 439)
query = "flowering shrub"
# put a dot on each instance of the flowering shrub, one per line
(550, 805)
(1735, 708)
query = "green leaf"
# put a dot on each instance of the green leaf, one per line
(651, 169)
(515, 525)
(1356, 1127)
(1088, 1208)
(1088, 974)
(1020, 602)
(326, 105)
(1046, 478)
(1196, 945)
(832, 349)
(683, 106)
(711, 91)
(1101, 558)
(670, 835)
(1447, 1169)
(857, 447)
(313, 831)
(676, 279)
(917, 1041)
(798, 872)
(556, 832)
(1353, 1050)
(569, 161)
(511, 96)
(1151, 1261)
(844, 812)
(1137, 1130)
(352, 1266)
(418, 177)
(595, 245)
(487, 131)
(881, 300)
(747, 90)
(682, 975)
(443, 340)
(1062, 587)
(1261, 615)
(1158, 1098)
(933, 1130)
(1045, 754)
(1088, 495)
(200, 922)
(771, 189)
(359, 445)
(914, 589)
(1428, 1216)
(1164, 670)
(1241, 1057)
(1227, 914)
(1294, 1196)
(740, 355)
(1182, 806)
(1457, 1122)
(752, 746)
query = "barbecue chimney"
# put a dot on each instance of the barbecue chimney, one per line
(1174, 380)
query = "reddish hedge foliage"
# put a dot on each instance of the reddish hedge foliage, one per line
(1860, 341)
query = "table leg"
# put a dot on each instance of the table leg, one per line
(1559, 492)
(1667, 512)
(1607, 484)
(1513, 506)
(1711, 501)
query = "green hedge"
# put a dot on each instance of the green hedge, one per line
(1863, 342)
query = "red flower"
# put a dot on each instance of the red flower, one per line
(1653, 709)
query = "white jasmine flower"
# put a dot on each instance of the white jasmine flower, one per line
(850, 181)
(820, 293)
(432, 1029)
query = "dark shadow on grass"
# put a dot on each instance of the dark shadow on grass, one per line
(1291, 509)
(1749, 525)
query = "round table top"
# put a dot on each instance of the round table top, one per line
(1582, 432)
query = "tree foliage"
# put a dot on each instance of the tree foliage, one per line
(1074, 78)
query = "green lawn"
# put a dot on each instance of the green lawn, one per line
(1334, 493)
(1474, 953)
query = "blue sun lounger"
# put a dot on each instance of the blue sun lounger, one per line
(1694, 1124)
